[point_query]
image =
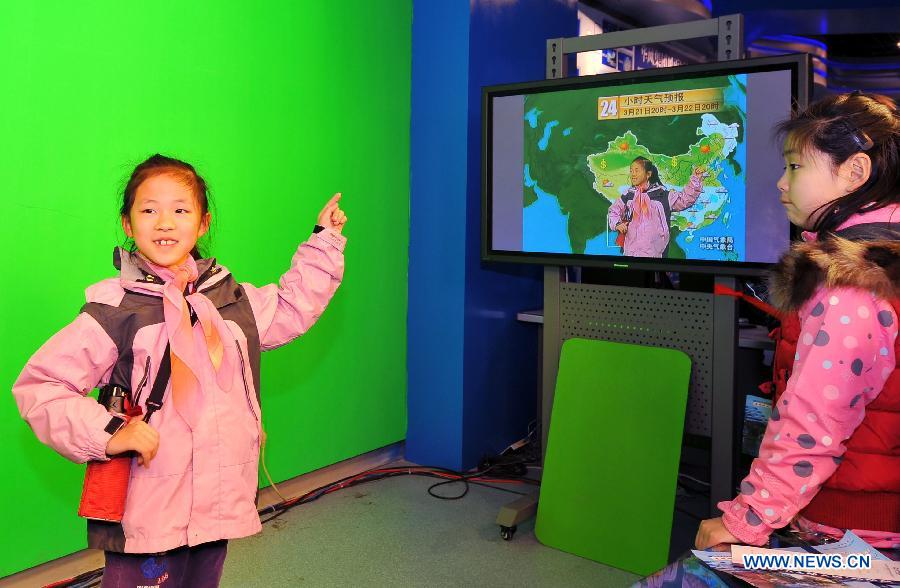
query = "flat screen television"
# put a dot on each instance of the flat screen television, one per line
(668, 169)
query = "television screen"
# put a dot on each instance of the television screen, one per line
(671, 169)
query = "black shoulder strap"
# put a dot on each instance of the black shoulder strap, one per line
(155, 400)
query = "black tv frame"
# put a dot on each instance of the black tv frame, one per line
(800, 65)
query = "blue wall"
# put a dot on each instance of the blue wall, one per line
(507, 43)
(472, 366)
(440, 40)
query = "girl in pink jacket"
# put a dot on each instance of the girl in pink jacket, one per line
(643, 214)
(830, 457)
(193, 480)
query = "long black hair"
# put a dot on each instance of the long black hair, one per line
(840, 126)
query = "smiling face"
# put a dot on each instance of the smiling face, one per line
(807, 184)
(165, 220)
(639, 175)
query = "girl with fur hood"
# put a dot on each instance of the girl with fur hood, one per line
(830, 457)
(194, 472)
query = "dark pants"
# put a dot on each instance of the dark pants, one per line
(186, 567)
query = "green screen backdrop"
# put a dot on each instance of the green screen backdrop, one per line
(278, 105)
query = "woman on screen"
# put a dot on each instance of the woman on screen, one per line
(642, 215)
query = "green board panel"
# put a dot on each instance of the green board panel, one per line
(608, 490)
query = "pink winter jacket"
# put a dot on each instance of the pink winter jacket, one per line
(845, 353)
(202, 484)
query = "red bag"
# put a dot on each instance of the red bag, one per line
(106, 482)
(105, 489)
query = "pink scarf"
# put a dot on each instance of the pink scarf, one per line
(640, 206)
(190, 349)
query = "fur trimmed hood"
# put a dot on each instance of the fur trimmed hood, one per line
(835, 262)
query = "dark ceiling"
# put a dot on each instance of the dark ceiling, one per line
(861, 36)
(861, 46)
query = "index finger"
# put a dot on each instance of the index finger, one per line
(335, 198)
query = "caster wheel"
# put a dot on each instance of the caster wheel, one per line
(507, 532)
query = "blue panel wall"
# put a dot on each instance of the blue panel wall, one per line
(507, 43)
(440, 39)
(472, 366)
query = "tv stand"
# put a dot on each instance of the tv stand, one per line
(701, 324)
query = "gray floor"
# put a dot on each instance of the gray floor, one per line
(392, 533)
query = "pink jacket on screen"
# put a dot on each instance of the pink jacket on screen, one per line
(202, 484)
(648, 236)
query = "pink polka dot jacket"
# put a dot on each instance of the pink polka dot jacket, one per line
(830, 457)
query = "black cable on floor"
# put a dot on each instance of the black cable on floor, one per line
(464, 478)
